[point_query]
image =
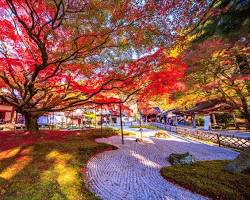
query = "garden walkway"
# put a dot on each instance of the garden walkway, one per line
(133, 171)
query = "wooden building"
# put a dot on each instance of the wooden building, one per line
(7, 113)
(209, 109)
(150, 114)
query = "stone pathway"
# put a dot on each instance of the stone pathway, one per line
(133, 171)
(145, 132)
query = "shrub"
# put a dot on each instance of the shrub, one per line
(162, 134)
(144, 126)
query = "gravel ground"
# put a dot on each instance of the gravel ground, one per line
(133, 171)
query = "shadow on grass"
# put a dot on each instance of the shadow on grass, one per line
(49, 167)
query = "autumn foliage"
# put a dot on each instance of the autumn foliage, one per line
(57, 54)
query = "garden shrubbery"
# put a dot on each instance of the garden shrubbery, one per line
(144, 126)
(162, 134)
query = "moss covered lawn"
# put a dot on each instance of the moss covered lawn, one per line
(47, 164)
(209, 178)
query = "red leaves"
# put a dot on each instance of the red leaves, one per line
(7, 31)
(60, 60)
(203, 50)
(100, 99)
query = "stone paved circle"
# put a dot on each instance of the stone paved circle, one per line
(133, 171)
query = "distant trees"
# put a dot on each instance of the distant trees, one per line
(214, 72)
(217, 57)
(223, 18)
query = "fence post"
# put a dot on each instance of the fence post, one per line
(218, 138)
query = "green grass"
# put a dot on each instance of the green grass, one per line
(144, 126)
(49, 168)
(209, 178)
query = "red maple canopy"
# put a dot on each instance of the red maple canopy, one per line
(55, 55)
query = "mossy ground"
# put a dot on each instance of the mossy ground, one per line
(210, 179)
(48, 164)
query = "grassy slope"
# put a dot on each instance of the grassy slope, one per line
(210, 179)
(47, 165)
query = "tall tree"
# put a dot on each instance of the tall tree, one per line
(57, 54)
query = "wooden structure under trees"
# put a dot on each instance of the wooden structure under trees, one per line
(150, 114)
(210, 108)
(171, 117)
(7, 113)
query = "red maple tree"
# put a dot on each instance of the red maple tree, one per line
(57, 54)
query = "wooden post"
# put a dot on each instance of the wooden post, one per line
(218, 138)
(235, 122)
(101, 118)
(165, 122)
(16, 120)
(12, 115)
(141, 124)
(72, 124)
(82, 120)
(66, 121)
(214, 119)
(48, 121)
(62, 123)
(193, 121)
(53, 121)
(121, 122)
(95, 117)
(111, 120)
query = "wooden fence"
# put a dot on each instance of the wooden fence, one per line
(212, 136)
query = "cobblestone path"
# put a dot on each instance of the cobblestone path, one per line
(133, 171)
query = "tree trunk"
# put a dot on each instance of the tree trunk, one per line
(214, 119)
(245, 111)
(247, 117)
(31, 123)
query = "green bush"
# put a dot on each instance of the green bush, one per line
(199, 121)
(224, 118)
